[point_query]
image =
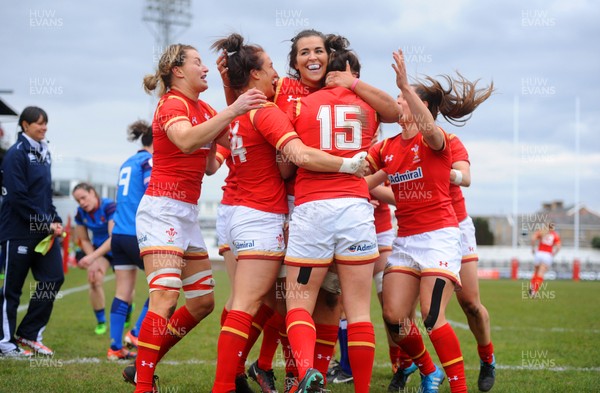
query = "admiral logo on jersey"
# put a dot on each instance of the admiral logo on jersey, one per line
(397, 177)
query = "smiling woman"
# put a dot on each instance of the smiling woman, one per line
(255, 226)
(27, 216)
(171, 244)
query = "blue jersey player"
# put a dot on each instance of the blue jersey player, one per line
(134, 176)
(95, 216)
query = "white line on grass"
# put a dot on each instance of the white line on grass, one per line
(455, 324)
(69, 291)
(464, 326)
(377, 365)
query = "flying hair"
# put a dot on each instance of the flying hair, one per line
(457, 101)
(140, 129)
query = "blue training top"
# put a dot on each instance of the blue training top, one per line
(27, 209)
(97, 221)
(134, 177)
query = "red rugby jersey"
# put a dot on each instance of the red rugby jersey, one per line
(288, 91)
(337, 121)
(175, 174)
(286, 94)
(419, 180)
(223, 155)
(547, 241)
(383, 216)
(255, 138)
(459, 153)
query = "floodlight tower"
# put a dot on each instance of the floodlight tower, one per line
(164, 16)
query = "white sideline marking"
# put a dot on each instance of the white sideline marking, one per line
(455, 324)
(465, 326)
(549, 329)
(69, 291)
(377, 365)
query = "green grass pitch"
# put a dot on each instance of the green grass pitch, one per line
(549, 344)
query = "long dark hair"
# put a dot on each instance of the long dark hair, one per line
(140, 129)
(241, 59)
(292, 71)
(457, 102)
(340, 53)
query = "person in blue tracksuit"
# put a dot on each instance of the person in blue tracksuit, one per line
(94, 215)
(27, 216)
(134, 176)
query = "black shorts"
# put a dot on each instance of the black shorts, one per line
(125, 251)
(80, 254)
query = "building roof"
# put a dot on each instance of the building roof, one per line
(561, 214)
(6, 110)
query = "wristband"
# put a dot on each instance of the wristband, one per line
(354, 84)
(351, 165)
(458, 177)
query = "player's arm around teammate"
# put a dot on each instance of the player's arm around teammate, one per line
(417, 119)
(256, 228)
(425, 260)
(171, 243)
(323, 232)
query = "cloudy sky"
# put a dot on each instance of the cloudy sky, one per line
(83, 62)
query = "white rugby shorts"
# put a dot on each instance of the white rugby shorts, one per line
(255, 234)
(223, 214)
(340, 229)
(169, 226)
(544, 257)
(467, 240)
(434, 253)
(385, 240)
